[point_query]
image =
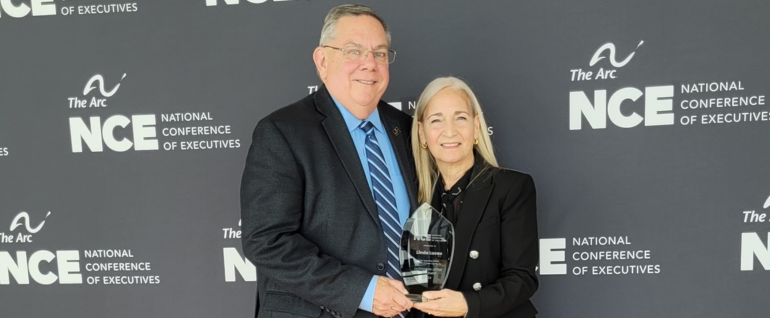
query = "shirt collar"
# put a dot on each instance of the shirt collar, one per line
(352, 122)
(459, 186)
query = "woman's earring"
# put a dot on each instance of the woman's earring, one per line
(476, 141)
(424, 146)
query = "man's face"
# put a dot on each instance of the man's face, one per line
(356, 84)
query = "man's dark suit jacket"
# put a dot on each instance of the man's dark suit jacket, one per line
(499, 225)
(309, 222)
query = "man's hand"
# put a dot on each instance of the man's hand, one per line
(389, 299)
(443, 303)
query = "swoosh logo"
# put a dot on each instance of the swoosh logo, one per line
(611, 47)
(99, 79)
(25, 216)
(767, 203)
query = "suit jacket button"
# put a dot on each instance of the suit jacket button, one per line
(477, 286)
(474, 254)
(380, 266)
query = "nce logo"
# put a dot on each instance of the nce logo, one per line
(36, 7)
(751, 243)
(98, 134)
(235, 262)
(553, 256)
(211, 3)
(657, 108)
(25, 267)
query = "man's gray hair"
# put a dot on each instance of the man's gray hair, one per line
(347, 10)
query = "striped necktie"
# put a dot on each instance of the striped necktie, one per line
(382, 189)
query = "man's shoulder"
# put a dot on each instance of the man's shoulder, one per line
(389, 111)
(298, 112)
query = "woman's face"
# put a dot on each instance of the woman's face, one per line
(449, 128)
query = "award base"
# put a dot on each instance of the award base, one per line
(415, 298)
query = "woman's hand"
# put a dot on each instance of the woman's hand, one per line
(443, 303)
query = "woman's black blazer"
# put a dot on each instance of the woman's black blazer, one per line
(496, 244)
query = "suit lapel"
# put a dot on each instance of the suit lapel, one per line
(338, 133)
(472, 209)
(399, 136)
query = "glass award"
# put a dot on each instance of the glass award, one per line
(427, 244)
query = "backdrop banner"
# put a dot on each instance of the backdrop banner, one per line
(124, 127)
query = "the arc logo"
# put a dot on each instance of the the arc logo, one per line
(97, 83)
(99, 79)
(23, 219)
(610, 48)
(24, 226)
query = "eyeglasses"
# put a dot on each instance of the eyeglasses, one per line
(358, 54)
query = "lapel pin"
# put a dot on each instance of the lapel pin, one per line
(396, 131)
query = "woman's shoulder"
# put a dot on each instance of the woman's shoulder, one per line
(509, 182)
(500, 174)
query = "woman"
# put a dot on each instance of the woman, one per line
(493, 209)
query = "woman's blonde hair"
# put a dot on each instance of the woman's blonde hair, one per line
(425, 165)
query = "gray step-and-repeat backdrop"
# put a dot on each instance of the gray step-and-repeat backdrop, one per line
(124, 128)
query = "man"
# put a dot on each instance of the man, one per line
(328, 182)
